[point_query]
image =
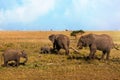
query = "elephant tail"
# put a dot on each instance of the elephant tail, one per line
(74, 49)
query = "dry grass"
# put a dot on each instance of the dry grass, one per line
(57, 67)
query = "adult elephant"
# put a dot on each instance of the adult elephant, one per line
(14, 55)
(95, 42)
(60, 41)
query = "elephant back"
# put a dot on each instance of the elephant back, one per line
(10, 54)
(104, 41)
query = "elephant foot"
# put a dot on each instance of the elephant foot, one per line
(89, 58)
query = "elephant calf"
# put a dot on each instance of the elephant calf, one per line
(14, 55)
(46, 49)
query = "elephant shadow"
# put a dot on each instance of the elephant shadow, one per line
(13, 64)
(81, 57)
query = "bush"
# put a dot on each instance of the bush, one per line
(74, 33)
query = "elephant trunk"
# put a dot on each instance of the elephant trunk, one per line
(26, 59)
(79, 45)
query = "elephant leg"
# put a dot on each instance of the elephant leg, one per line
(108, 54)
(58, 49)
(67, 51)
(47, 51)
(103, 55)
(54, 45)
(92, 53)
(5, 63)
(17, 62)
(66, 48)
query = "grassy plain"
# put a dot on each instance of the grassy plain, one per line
(57, 67)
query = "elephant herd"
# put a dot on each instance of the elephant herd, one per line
(95, 42)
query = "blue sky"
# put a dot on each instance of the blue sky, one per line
(59, 14)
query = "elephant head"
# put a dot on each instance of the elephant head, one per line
(24, 55)
(85, 41)
(52, 38)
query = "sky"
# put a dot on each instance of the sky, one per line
(59, 14)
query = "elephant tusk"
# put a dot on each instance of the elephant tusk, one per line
(74, 49)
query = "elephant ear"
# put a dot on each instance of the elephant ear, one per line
(81, 38)
(19, 52)
(87, 39)
(80, 42)
(90, 38)
(52, 38)
(23, 53)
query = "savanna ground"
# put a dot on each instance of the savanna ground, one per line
(57, 67)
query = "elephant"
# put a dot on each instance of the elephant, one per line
(46, 49)
(95, 42)
(14, 55)
(60, 41)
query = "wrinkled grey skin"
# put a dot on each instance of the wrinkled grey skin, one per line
(95, 42)
(60, 41)
(46, 49)
(14, 55)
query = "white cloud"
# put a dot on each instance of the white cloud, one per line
(29, 11)
(101, 13)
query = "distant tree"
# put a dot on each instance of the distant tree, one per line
(76, 33)
(66, 30)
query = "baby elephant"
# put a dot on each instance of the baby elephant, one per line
(14, 55)
(46, 49)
